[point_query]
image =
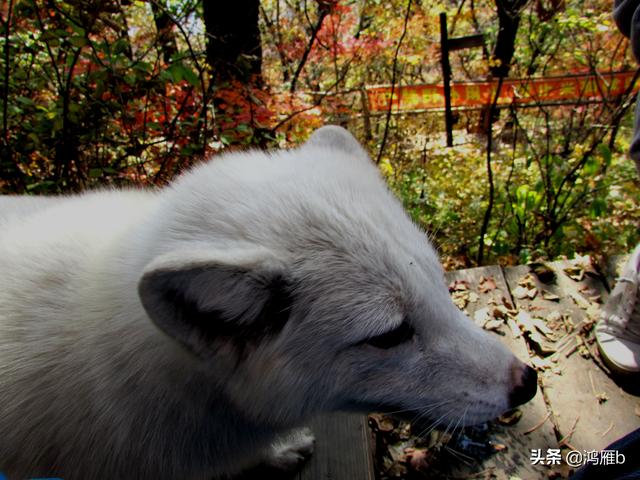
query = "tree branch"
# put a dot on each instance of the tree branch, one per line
(324, 8)
(393, 82)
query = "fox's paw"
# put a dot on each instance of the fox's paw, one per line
(289, 452)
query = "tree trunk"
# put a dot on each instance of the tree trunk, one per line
(509, 20)
(509, 14)
(164, 27)
(234, 51)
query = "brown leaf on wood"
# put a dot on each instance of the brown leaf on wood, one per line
(458, 285)
(534, 338)
(382, 423)
(498, 447)
(398, 453)
(494, 325)
(522, 292)
(481, 316)
(419, 458)
(509, 306)
(460, 298)
(528, 281)
(511, 417)
(575, 272)
(500, 312)
(487, 284)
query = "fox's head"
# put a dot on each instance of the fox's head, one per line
(299, 283)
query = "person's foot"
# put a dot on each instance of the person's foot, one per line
(618, 331)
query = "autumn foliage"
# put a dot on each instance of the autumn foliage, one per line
(126, 92)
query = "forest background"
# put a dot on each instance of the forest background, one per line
(119, 93)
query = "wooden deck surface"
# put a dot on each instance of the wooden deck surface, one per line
(343, 449)
(578, 405)
(550, 309)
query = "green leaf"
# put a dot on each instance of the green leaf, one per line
(191, 77)
(179, 72)
(605, 153)
(78, 41)
(591, 166)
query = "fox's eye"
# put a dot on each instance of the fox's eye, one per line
(403, 333)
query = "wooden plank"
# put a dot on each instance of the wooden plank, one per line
(572, 386)
(515, 460)
(470, 41)
(342, 451)
(446, 76)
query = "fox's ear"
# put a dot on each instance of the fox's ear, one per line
(207, 301)
(333, 136)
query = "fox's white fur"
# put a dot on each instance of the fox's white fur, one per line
(177, 333)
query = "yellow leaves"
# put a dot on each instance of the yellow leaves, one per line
(386, 168)
(494, 62)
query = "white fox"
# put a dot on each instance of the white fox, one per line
(183, 333)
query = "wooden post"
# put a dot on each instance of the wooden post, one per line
(446, 76)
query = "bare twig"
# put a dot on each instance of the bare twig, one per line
(323, 10)
(393, 82)
(7, 72)
(487, 213)
(603, 434)
(565, 440)
(538, 425)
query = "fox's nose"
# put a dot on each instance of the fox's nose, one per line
(524, 386)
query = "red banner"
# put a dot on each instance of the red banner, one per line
(522, 91)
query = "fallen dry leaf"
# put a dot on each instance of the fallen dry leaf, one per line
(493, 325)
(397, 451)
(521, 292)
(541, 326)
(501, 312)
(381, 422)
(586, 263)
(583, 350)
(515, 331)
(458, 285)
(460, 298)
(509, 306)
(533, 336)
(481, 316)
(498, 447)
(575, 272)
(511, 417)
(541, 363)
(527, 281)
(419, 458)
(550, 296)
(487, 284)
